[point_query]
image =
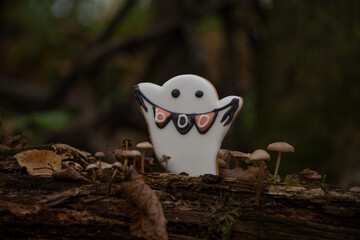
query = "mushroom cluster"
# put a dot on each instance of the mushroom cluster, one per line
(227, 158)
(126, 155)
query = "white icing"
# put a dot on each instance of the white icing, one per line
(193, 152)
(179, 121)
(157, 114)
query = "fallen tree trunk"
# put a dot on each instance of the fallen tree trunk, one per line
(206, 207)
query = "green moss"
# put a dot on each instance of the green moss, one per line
(292, 181)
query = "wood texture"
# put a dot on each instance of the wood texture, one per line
(207, 207)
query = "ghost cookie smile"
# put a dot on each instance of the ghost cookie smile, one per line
(172, 110)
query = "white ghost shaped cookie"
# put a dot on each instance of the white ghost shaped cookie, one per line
(187, 121)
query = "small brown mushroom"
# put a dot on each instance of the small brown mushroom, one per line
(126, 143)
(91, 160)
(126, 154)
(137, 155)
(224, 154)
(118, 167)
(221, 163)
(116, 153)
(239, 156)
(165, 158)
(92, 168)
(143, 146)
(99, 156)
(279, 147)
(259, 155)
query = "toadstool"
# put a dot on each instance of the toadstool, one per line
(224, 154)
(137, 155)
(126, 154)
(117, 166)
(279, 147)
(143, 146)
(165, 158)
(221, 163)
(127, 142)
(259, 155)
(99, 156)
(237, 156)
(92, 168)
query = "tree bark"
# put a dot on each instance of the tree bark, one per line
(206, 207)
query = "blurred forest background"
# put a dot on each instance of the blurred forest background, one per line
(68, 68)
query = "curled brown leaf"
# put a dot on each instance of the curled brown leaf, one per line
(69, 173)
(148, 220)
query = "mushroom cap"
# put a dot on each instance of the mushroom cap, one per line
(117, 165)
(237, 154)
(280, 147)
(224, 153)
(259, 155)
(221, 162)
(164, 158)
(136, 153)
(117, 154)
(99, 155)
(128, 140)
(144, 145)
(92, 166)
(127, 154)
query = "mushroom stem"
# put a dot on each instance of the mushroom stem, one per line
(259, 183)
(237, 163)
(94, 178)
(166, 166)
(125, 163)
(134, 163)
(111, 179)
(143, 162)
(277, 165)
(100, 165)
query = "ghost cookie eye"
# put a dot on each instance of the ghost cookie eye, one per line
(175, 93)
(199, 93)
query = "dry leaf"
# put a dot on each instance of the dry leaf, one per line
(69, 152)
(75, 165)
(39, 159)
(69, 173)
(147, 214)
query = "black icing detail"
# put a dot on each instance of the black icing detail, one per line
(187, 128)
(229, 114)
(207, 129)
(162, 125)
(234, 104)
(139, 97)
(175, 93)
(199, 93)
